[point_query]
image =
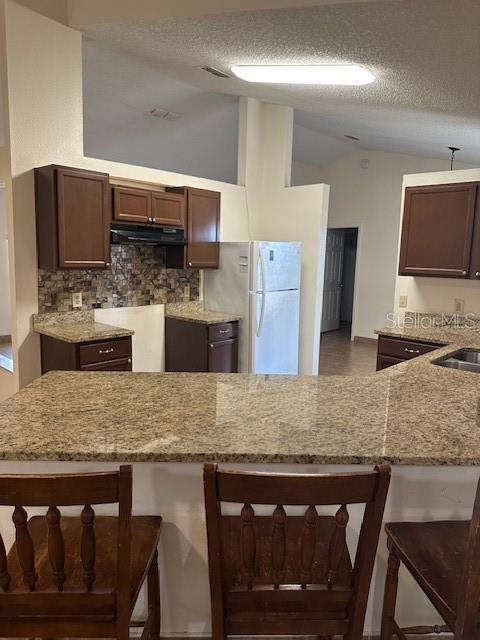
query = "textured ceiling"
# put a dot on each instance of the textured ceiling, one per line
(425, 54)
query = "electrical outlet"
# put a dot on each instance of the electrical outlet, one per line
(459, 305)
(77, 300)
(402, 302)
(186, 292)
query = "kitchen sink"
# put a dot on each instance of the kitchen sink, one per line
(463, 360)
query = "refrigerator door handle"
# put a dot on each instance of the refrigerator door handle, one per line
(262, 314)
(262, 269)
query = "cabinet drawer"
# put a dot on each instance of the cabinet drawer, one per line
(121, 364)
(383, 362)
(404, 349)
(107, 350)
(223, 331)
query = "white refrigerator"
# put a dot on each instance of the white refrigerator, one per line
(260, 281)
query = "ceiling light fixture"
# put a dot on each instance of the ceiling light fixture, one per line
(333, 74)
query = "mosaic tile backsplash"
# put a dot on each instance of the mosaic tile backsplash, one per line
(137, 277)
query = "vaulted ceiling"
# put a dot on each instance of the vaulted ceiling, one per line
(424, 53)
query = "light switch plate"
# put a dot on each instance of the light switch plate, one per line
(402, 302)
(459, 305)
(77, 300)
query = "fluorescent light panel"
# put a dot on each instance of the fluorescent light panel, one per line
(333, 74)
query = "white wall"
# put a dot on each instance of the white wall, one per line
(370, 199)
(48, 74)
(283, 213)
(436, 295)
(120, 90)
(305, 173)
(4, 275)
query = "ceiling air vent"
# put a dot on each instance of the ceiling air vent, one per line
(164, 114)
(216, 72)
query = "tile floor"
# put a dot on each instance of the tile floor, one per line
(339, 356)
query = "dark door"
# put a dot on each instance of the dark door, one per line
(132, 205)
(203, 228)
(83, 199)
(437, 230)
(168, 209)
(223, 356)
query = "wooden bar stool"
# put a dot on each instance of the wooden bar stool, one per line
(76, 576)
(287, 574)
(444, 559)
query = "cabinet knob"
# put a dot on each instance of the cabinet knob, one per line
(129, 361)
(464, 273)
(189, 264)
(107, 264)
(154, 219)
(477, 275)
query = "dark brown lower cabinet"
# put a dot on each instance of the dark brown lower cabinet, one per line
(392, 350)
(192, 346)
(113, 354)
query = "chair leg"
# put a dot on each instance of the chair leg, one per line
(390, 595)
(153, 584)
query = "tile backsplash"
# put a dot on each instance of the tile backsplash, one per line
(137, 277)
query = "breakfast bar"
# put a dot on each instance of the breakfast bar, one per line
(420, 417)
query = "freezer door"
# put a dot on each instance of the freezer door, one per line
(275, 266)
(274, 332)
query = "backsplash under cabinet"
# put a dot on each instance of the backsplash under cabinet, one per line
(137, 277)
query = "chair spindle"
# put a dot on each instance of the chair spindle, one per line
(56, 546)
(4, 575)
(248, 543)
(25, 549)
(337, 544)
(88, 547)
(307, 545)
(278, 544)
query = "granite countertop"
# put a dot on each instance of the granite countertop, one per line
(83, 332)
(414, 413)
(194, 312)
(76, 326)
(436, 335)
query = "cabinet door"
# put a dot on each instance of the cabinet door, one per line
(223, 356)
(132, 205)
(203, 215)
(168, 209)
(383, 362)
(122, 364)
(437, 230)
(83, 202)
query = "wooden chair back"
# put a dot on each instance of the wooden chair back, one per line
(57, 591)
(290, 574)
(467, 621)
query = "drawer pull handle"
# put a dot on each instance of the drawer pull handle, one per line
(411, 350)
(223, 331)
(129, 361)
(103, 351)
(477, 275)
(464, 273)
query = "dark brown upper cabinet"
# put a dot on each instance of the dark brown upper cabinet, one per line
(441, 231)
(144, 206)
(203, 230)
(168, 209)
(132, 205)
(73, 214)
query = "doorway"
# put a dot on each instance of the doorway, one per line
(339, 279)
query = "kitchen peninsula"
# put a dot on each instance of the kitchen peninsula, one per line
(419, 416)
